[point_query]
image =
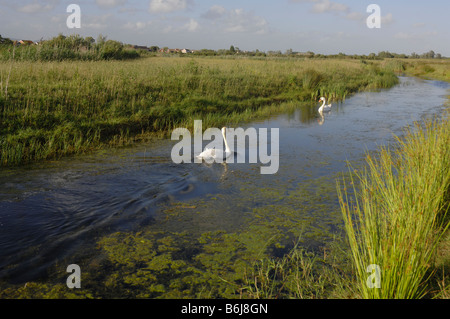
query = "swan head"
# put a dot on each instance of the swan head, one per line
(322, 99)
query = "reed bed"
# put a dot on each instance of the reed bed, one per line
(52, 109)
(396, 215)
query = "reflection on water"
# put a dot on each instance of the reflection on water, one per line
(52, 210)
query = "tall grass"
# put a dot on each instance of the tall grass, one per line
(397, 216)
(52, 109)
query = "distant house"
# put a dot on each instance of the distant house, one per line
(167, 50)
(172, 51)
(23, 42)
(186, 51)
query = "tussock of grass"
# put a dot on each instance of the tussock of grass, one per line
(397, 217)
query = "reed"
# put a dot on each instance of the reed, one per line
(396, 217)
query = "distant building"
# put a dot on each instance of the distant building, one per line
(186, 51)
(23, 42)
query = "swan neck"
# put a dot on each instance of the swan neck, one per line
(227, 148)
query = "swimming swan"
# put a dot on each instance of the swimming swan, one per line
(212, 153)
(324, 108)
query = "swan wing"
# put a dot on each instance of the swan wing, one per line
(207, 153)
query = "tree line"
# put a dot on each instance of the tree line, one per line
(75, 47)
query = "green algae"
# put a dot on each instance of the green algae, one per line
(219, 263)
(215, 247)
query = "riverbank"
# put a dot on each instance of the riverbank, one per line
(54, 109)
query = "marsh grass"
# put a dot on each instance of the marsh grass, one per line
(398, 216)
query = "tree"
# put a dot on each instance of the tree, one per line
(101, 39)
(5, 40)
(90, 40)
(310, 54)
(232, 50)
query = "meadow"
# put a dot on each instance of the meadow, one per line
(54, 109)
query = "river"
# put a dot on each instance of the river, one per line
(53, 212)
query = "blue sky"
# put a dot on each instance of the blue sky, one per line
(321, 26)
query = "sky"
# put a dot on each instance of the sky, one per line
(320, 26)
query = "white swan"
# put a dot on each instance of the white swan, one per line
(210, 154)
(324, 108)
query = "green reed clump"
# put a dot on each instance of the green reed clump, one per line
(397, 216)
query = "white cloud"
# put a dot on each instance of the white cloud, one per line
(38, 6)
(110, 3)
(356, 16)
(387, 19)
(192, 25)
(414, 36)
(215, 12)
(104, 21)
(321, 6)
(236, 20)
(328, 6)
(135, 26)
(166, 6)
(30, 8)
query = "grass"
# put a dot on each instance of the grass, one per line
(398, 216)
(54, 109)
(436, 69)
